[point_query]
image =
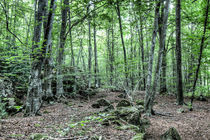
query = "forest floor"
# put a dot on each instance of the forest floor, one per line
(69, 121)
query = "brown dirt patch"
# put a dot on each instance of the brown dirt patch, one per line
(56, 118)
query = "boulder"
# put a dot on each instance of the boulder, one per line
(171, 134)
(108, 108)
(140, 102)
(129, 114)
(101, 102)
(138, 136)
(123, 103)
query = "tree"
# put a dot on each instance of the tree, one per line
(60, 57)
(201, 50)
(35, 93)
(180, 98)
(149, 97)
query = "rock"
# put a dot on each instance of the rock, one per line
(171, 134)
(38, 136)
(121, 96)
(129, 114)
(123, 103)
(140, 102)
(128, 127)
(110, 107)
(95, 105)
(103, 102)
(138, 136)
(140, 108)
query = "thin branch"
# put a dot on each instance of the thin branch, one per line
(7, 24)
(83, 18)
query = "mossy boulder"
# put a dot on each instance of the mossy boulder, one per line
(123, 103)
(140, 108)
(38, 136)
(171, 134)
(108, 108)
(128, 127)
(101, 102)
(129, 114)
(140, 102)
(138, 136)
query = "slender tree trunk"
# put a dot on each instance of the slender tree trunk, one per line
(162, 34)
(96, 69)
(148, 101)
(48, 62)
(89, 54)
(123, 44)
(180, 98)
(34, 95)
(112, 52)
(201, 50)
(60, 58)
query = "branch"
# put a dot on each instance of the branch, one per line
(83, 18)
(7, 24)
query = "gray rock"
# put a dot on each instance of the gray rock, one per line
(123, 103)
(171, 134)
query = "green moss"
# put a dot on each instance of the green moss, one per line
(16, 135)
(138, 136)
(38, 136)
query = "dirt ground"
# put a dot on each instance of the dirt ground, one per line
(60, 121)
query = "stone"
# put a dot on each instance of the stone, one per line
(140, 102)
(108, 108)
(103, 102)
(138, 136)
(95, 105)
(123, 103)
(129, 114)
(100, 103)
(171, 134)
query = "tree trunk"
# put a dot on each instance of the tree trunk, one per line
(201, 50)
(89, 54)
(35, 93)
(123, 44)
(162, 34)
(148, 101)
(180, 98)
(96, 69)
(60, 58)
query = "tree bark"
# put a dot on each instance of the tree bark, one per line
(60, 58)
(201, 50)
(123, 44)
(162, 34)
(180, 98)
(148, 101)
(34, 94)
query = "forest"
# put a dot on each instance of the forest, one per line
(104, 70)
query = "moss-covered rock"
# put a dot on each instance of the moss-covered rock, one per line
(123, 103)
(108, 108)
(171, 134)
(129, 114)
(138, 136)
(128, 127)
(101, 102)
(95, 105)
(38, 136)
(140, 102)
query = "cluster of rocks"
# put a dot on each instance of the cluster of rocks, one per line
(127, 116)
